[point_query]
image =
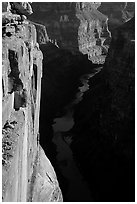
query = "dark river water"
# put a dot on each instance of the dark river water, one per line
(77, 187)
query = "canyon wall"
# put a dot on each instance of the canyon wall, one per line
(27, 174)
(85, 26)
(103, 136)
(103, 133)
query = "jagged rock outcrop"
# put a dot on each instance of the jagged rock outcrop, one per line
(27, 174)
(42, 36)
(103, 136)
(45, 186)
(21, 8)
(97, 20)
(93, 31)
(75, 27)
(83, 26)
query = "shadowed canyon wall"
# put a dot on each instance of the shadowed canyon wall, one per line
(27, 174)
(106, 119)
(45, 57)
(83, 37)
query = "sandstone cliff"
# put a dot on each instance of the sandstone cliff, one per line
(27, 174)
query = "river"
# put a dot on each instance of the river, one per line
(78, 190)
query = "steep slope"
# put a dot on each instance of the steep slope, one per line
(82, 26)
(27, 174)
(103, 135)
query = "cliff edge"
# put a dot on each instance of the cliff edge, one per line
(27, 174)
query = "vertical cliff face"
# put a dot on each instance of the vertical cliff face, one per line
(97, 21)
(103, 135)
(60, 21)
(101, 144)
(75, 26)
(27, 174)
(85, 26)
(93, 31)
(120, 68)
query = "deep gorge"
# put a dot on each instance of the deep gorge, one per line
(98, 144)
(85, 108)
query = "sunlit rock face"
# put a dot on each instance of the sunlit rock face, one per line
(97, 20)
(85, 26)
(92, 31)
(27, 174)
(75, 26)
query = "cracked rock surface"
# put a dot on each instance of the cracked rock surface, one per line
(27, 174)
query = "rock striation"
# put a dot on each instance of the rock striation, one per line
(83, 26)
(97, 21)
(27, 174)
(93, 31)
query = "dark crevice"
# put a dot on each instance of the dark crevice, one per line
(89, 138)
(35, 75)
(60, 85)
(15, 82)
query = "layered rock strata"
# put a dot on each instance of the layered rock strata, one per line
(27, 174)
(92, 32)
(85, 26)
